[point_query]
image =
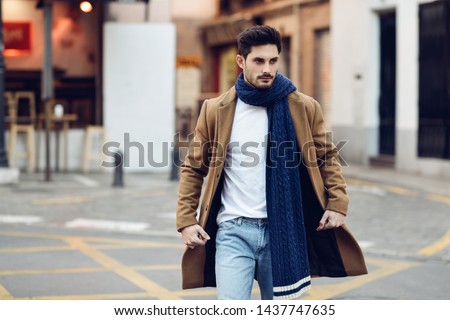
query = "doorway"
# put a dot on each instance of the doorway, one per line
(386, 103)
(434, 80)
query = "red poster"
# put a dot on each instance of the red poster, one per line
(17, 37)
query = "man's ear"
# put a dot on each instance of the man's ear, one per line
(240, 61)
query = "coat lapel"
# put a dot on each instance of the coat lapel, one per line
(225, 119)
(226, 116)
(300, 121)
(306, 145)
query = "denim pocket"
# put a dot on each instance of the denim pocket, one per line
(226, 225)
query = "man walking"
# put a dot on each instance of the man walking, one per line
(274, 204)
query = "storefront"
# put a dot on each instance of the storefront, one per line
(102, 73)
(76, 50)
(305, 58)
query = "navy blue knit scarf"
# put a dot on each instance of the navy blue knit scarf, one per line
(290, 264)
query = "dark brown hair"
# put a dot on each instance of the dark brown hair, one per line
(257, 36)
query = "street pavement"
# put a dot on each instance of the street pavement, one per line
(78, 237)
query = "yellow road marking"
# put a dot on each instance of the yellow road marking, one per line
(439, 198)
(31, 235)
(81, 199)
(320, 292)
(355, 181)
(390, 188)
(196, 293)
(120, 242)
(439, 245)
(363, 183)
(147, 194)
(124, 244)
(87, 270)
(50, 271)
(65, 200)
(4, 294)
(36, 249)
(402, 191)
(387, 268)
(110, 296)
(398, 190)
(154, 290)
(204, 292)
(158, 267)
(139, 245)
(128, 273)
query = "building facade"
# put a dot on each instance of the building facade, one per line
(390, 79)
(97, 95)
(305, 58)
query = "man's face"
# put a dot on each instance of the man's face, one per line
(261, 65)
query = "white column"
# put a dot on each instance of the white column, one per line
(407, 65)
(407, 100)
(351, 67)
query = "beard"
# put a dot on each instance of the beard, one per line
(263, 81)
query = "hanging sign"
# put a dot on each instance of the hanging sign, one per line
(17, 37)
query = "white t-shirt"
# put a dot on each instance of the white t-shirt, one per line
(244, 189)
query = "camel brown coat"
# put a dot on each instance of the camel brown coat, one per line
(332, 252)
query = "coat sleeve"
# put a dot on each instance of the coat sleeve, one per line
(193, 171)
(329, 165)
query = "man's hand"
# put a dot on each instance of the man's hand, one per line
(194, 236)
(331, 219)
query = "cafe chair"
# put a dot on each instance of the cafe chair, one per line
(88, 153)
(21, 124)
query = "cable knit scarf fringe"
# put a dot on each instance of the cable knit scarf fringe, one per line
(290, 264)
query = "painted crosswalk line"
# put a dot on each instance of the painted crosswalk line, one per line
(5, 218)
(110, 225)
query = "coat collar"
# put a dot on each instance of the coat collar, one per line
(228, 108)
(225, 118)
(229, 97)
(300, 120)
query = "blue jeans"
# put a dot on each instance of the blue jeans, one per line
(243, 250)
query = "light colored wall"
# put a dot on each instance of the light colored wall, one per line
(187, 17)
(355, 74)
(139, 93)
(159, 11)
(162, 10)
(194, 9)
(126, 12)
(350, 56)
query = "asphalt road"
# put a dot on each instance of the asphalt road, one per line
(77, 237)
